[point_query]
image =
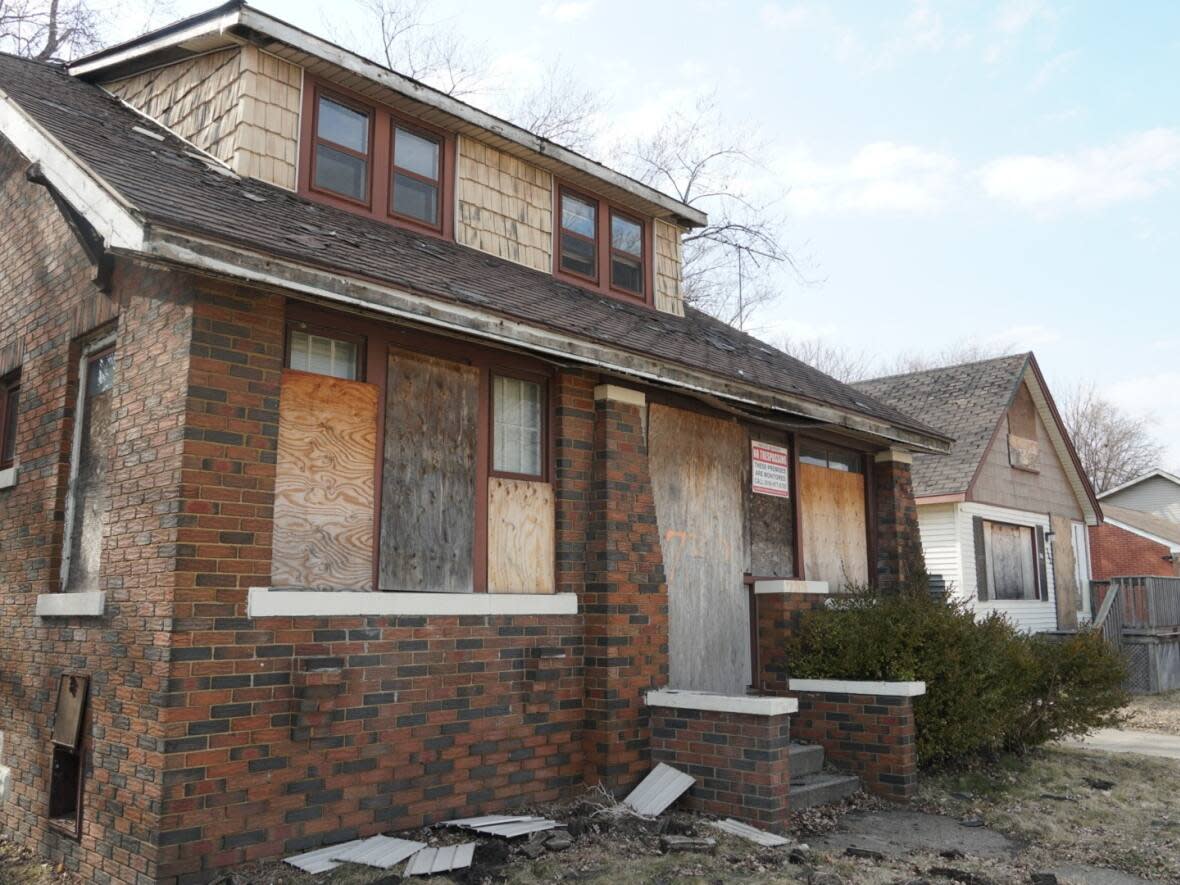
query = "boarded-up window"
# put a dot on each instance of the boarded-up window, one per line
(87, 501)
(520, 536)
(1010, 553)
(429, 482)
(1023, 447)
(323, 521)
(833, 516)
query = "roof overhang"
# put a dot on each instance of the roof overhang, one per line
(236, 23)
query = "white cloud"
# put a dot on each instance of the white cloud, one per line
(569, 11)
(880, 177)
(1133, 168)
(1015, 16)
(783, 18)
(1052, 68)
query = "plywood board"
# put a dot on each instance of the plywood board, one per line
(323, 522)
(520, 536)
(835, 543)
(1065, 573)
(698, 470)
(428, 486)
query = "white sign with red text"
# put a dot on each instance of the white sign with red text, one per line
(772, 470)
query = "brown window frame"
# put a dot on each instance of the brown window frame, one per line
(378, 203)
(519, 375)
(9, 412)
(601, 281)
(642, 256)
(395, 170)
(316, 141)
(322, 331)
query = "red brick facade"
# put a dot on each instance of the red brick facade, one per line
(1116, 552)
(898, 542)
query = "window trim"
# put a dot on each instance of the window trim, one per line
(603, 252)
(395, 170)
(9, 413)
(321, 92)
(91, 351)
(495, 370)
(379, 198)
(642, 256)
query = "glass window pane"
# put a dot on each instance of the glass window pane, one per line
(100, 374)
(323, 355)
(626, 273)
(577, 255)
(415, 153)
(578, 215)
(340, 172)
(517, 445)
(344, 126)
(8, 444)
(810, 453)
(626, 235)
(415, 198)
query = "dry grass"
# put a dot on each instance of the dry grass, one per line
(1155, 712)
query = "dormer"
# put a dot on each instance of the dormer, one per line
(281, 105)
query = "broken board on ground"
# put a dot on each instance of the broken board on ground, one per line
(508, 826)
(382, 852)
(320, 860)
(737, 828)
(429, 861)
(662, 786)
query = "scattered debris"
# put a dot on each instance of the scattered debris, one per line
(737, 828)
(507, 826)
(1099, 783)
(662, 786)
(865, 853)
(972, 822)
(382, 852)
(960, 876)
(1056, 797)
(800, 854)
(671, 844)
(1043, 879)
(320, 860)
(439, 860)
(951, 854)
(559, 841)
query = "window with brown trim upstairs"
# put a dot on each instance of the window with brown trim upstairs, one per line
(602, 247)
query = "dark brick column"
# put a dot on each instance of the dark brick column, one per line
(626, 598)
(779, 615)
(899, 545)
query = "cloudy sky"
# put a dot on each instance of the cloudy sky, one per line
(1005, 173)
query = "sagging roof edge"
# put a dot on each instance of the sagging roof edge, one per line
(237, 17)
(127, 233)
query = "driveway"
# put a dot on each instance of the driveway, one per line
(1115, 740)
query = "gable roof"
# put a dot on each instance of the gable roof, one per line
(147, 192)
(1151, 474)
(1155, 528)
(968, 402)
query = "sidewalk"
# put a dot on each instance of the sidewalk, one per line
(1114, 740)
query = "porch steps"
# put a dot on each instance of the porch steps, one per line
(811, 785)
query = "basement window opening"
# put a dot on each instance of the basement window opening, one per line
(66, 766)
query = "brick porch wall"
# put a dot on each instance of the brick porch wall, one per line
(779, 615)
(899, 543)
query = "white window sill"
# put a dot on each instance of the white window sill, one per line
(786, 585)
(8, 477)
(71, 605)
(265, 602)
(844, 686)
(720, 703)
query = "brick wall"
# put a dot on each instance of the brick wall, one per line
(48, 304)
(779, 615)
(871, 736)
(1115, 552)
(899, 542)
(741, 762)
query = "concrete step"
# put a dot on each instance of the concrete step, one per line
(821, 789)
(806, 759)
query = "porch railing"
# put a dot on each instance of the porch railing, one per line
(1147, 602)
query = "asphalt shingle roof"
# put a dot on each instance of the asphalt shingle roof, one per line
(965, 402)
(1147, 522)
(170, 184)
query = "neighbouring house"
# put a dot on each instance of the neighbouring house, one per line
(1004, 518)
(1132, 542)
(363, 466)
(1156, 492)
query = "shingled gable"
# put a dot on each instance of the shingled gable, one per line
(968, 402)
(149, 193)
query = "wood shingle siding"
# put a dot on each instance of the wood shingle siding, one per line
(669, 269)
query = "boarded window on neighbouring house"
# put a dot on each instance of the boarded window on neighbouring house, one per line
(1010, 553)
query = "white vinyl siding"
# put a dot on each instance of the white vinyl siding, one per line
(1155, 495)
(940, 544)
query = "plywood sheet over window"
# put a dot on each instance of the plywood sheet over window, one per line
(835, 543)
(698, 465)
(429, 482)
(520, 536)
(324, 501)
(1065, 573)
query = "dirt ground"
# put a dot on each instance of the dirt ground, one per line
(1158, 712)
(1039, 813)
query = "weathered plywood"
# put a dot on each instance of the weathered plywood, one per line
(428, 486)
(698, 465)
(835, 543)
(1065, 571)
(323, 519)
(520, 536)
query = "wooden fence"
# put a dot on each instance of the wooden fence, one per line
(1147, 603)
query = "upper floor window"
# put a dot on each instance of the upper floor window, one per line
(342, 149)
(579, 236)
(415, 176)
(9, 399)
(601, 245)
(626, 253)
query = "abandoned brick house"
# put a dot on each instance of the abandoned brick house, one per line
(362, 465)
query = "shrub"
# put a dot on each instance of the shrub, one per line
(988, 687)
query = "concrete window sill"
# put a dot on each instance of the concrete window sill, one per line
(8, 477)
(720, 703)
(845, 686)
(265, 602)
(71, 605)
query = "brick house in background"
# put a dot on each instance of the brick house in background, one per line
(1131, 542)
(362, 466)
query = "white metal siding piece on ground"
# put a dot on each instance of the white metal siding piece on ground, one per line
(438, 860)
(489, 820)
(521, 828)
(662, 786)
(737, 828)
(320, 860)
(382, 852)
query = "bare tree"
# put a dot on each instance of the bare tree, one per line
(53, 30)
(1114, 446)
(701, 161)
(965, 350)
(560, 109)
(842, 363)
